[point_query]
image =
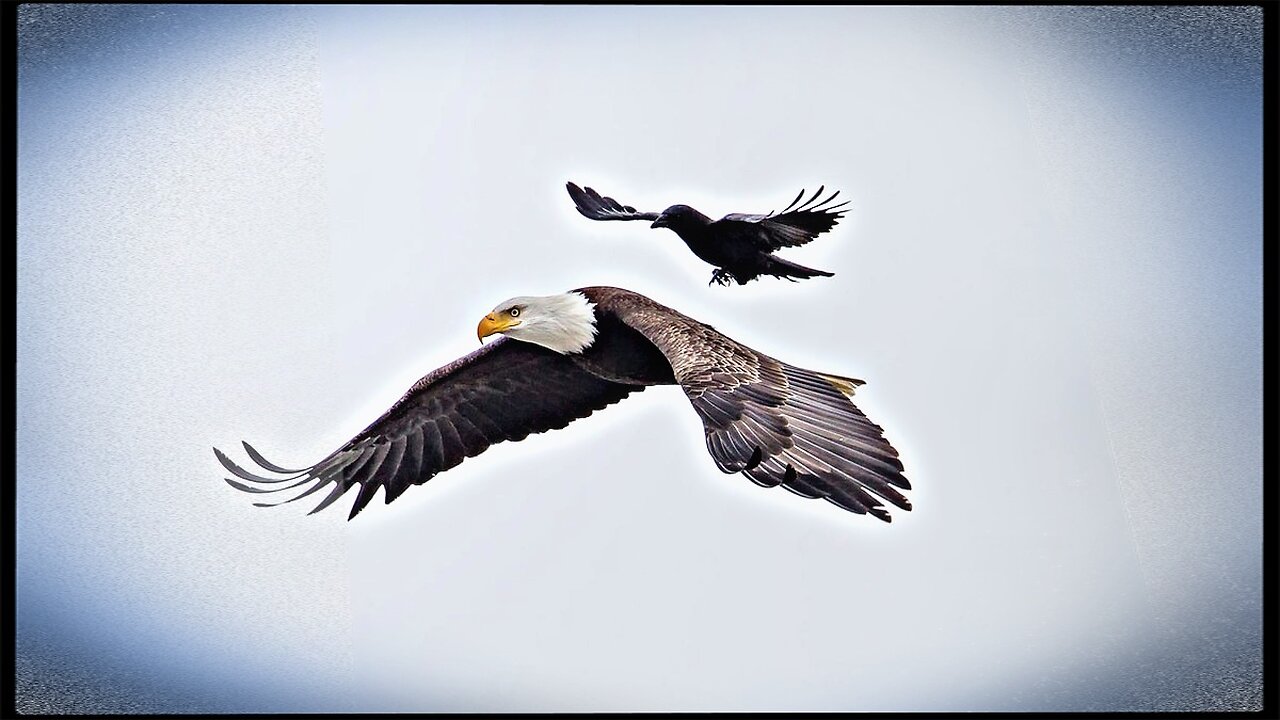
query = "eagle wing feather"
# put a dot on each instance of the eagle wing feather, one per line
(776, 423)
(506, 390)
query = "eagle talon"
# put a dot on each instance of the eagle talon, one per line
(720, 277)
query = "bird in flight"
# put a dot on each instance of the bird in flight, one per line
(740, 247)
(566, 356)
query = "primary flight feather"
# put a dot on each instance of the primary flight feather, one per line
(566, 356)
(740, 246)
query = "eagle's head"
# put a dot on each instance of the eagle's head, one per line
(565, 323)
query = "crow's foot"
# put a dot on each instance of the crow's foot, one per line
(720, 277)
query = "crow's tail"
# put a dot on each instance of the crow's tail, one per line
(778, 267)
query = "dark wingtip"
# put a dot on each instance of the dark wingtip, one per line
(391, 492)
(809, 203)
(337, 492)
(251, 489)
(367, 491)
(792, 204)
(578, 195)
(246, 475)
(242, 487)
(821, 206)
(258, 458)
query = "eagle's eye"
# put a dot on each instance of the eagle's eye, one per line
(514, 312)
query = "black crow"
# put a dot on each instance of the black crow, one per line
(739, 246)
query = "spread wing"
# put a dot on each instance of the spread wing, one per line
(797, 224)
(592, 205)
(506, 390)
(778, 424)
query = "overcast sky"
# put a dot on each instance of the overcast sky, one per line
(265, 223)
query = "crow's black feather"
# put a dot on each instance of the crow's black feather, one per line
(740, 246)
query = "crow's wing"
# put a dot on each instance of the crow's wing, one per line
(797, 224)
(506, 390)
(776, 423)
(592, 205)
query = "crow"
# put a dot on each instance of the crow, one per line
(739, 246)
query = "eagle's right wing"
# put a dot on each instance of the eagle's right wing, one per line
(506, 390)
(777, 423)
(592, 205)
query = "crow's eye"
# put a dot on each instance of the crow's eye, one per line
(514, 312)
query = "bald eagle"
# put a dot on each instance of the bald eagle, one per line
(565, 356)
(739, 246)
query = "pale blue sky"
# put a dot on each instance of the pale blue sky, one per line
(267, 222)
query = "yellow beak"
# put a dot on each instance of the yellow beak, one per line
(494, 323)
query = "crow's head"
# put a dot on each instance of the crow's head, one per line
(678, 216)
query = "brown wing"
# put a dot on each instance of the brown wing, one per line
(777, 423)
(506, 390)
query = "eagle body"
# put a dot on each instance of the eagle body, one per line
(740, 246)
(621, 353)
(567, 356)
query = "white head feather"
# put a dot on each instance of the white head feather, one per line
(565, 323)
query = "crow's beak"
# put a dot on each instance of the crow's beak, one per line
(659, 223)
